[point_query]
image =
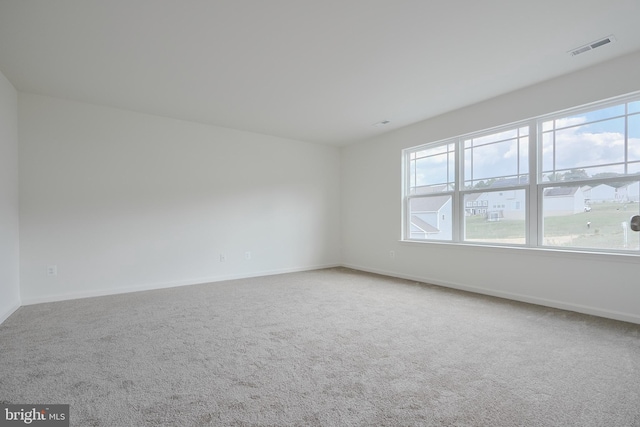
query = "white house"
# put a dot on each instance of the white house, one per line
(504, 204)
(633, 192)
(431, 218)
(501, 203)
(628, 193)
(600, 193)
(475, 205)
(563, 201)
(606, 193)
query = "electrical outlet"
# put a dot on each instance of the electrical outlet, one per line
(52, 270)
(247, 255)
(223, 257)
(392, 254)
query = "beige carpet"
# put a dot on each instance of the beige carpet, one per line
(322, 348)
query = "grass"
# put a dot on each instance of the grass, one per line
(605, 230)
(478, 228)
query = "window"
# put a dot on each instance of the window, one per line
(566, 180)
(432, 180)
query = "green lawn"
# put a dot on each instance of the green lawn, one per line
(478, 228)
(605, 230)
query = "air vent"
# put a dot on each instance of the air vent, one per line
(592, 45)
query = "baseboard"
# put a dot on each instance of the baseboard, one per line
(165, 285)
(5, 315)
(594, 311)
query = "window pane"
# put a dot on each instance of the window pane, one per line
(452, 167)
(590, 145)
(412, 174)
(591, 116)
(547, 152)
(495, 217)
(500, 136)
(524, 155)
(634, 137)
(633, 107)
(437, 149)
(430, 218)
(468, 172)
(499, 159)
(591, 217)
(431, 170)
(432, 166)
(496, 157)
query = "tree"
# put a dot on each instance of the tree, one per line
(553, 177)
(615, 184)
(575, 174)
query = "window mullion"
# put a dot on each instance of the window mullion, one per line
(535, 160)
(626, 138)
(409, 179)
(458, 208)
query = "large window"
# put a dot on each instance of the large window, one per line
(567, 180)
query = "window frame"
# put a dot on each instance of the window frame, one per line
(533, 189)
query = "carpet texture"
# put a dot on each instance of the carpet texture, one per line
(332, 347)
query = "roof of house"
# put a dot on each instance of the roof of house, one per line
(510, 182)
(472, 197)
(602, 186)
(423, 225)
(560, 191)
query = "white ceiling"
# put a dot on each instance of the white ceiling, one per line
(316, 70)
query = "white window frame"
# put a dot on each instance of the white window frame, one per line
(534, 189)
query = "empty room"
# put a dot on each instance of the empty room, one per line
(319, 213)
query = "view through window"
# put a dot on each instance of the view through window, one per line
(568, 180)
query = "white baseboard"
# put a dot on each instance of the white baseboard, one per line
(164, 285)
(625, 317)
(5, 315)
(594, 311)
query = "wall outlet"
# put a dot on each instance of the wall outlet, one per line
(223, 257)
(52, 270)
(392, 254)
(247, 255)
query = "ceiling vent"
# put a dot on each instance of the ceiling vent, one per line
(592, 45)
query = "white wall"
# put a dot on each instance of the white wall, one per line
(121, 201)
(371, 206)
(9, 246)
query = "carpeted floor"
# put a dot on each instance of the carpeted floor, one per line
(329, 347)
